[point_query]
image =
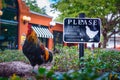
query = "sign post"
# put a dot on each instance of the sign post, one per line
(81, 45)
(81, 30)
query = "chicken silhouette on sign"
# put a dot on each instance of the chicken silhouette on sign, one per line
(81, 30)
(91, 33)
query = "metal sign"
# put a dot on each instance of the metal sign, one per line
(81, 30)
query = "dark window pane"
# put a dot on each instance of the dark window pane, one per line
(58, 37)
(9, 9)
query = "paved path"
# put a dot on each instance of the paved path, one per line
(112, 49)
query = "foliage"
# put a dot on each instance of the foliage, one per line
(99, 64)
(34, 6)
(89, 74)
(69, 75)
(15, 77)
(98, 9)
(12, 55)
(107, 10)
(65, 59)
(102, 60)
(102, 65)
(2, 78)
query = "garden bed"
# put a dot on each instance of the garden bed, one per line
(16, 67)
(98, 64)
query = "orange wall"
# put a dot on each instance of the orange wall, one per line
(58, 27)
(38, 19)
(22, 28)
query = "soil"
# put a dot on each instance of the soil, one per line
(19, 68)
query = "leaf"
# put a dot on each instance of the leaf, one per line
(50, 73)
(1, 78)
(42, 71)
(58, 76)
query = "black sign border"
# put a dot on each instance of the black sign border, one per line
(82, 18)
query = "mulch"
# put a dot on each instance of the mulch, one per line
(19, 68)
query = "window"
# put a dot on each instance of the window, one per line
(9, 24)
(9, 9)
(58, 37)
(8, 36)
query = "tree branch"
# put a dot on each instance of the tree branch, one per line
(114, 32)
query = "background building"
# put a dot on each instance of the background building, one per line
(15, 17)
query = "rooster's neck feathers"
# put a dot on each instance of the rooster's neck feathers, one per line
(32, 37)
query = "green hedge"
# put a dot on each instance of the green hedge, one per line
(12, 55)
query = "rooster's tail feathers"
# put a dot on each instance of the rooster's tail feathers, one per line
(46, 54)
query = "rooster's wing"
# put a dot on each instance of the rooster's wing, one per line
(33, 52)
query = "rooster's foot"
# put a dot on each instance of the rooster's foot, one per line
(35, 71)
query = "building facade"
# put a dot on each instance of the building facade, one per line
(15, 17)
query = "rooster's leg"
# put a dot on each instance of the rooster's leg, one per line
(35, 70)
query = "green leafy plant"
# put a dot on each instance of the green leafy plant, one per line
(12, 55)
(101, 61)
(88, 74)
(2, 78)
(66, 60)
(100, 65)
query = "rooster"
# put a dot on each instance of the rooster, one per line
(91, 33)
(34, 50)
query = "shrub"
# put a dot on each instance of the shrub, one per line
(12, 55)
(98, 62)
(89, 74)
(102, 60)
(95, 65)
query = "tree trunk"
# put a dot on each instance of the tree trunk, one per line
(105, 38)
